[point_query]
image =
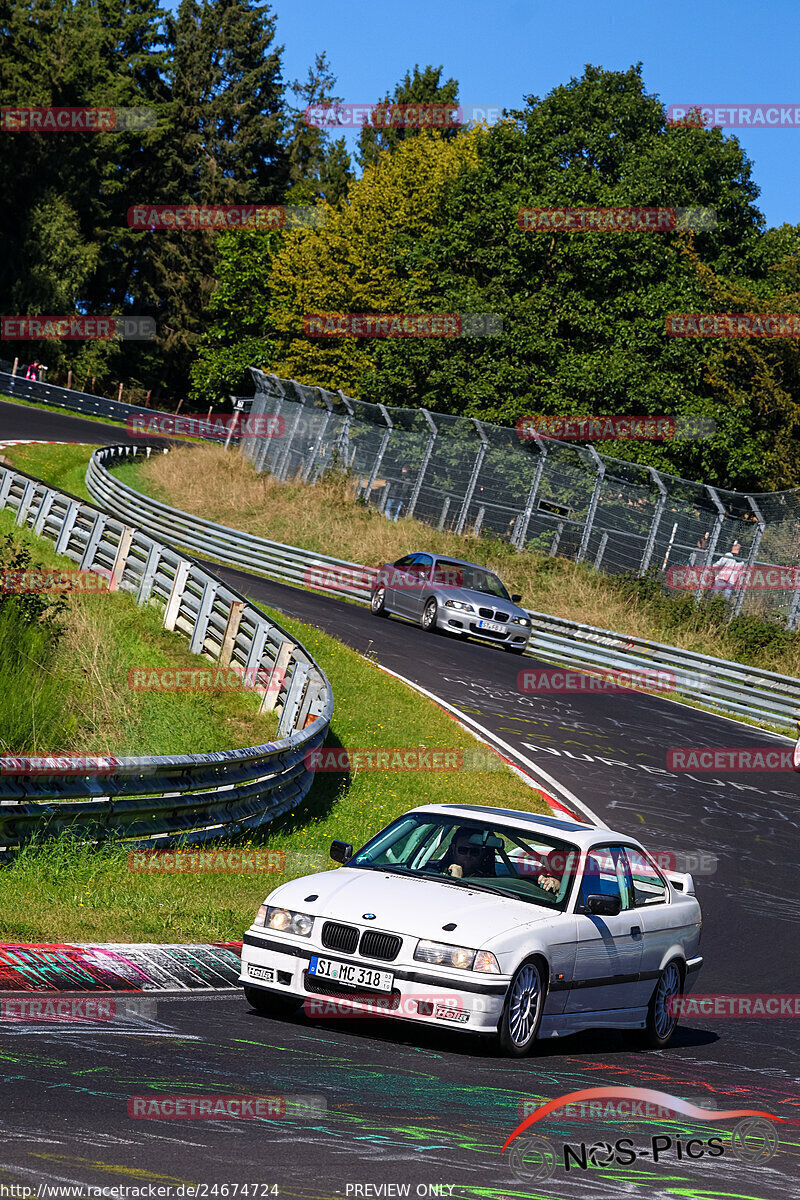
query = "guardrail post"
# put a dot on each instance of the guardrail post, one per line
(67, 525)
(203, 614)
(376, 466)
(426, 458)
(25, 501)
(712, 545)
(45, 505)
(294, 697)
(739, 591)
(231, 631)
(658, 514)
(5, 486)
(522, 529)
(598, 483)
(276, 678)
(149, 574)
(176, 594)
(121, 558)
(92, 542)
(476, 470)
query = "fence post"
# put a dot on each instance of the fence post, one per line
(344, 433)
(443, 516)
(556, 538)
(479, 520)
(16, 364)
(231, 630)
(312, 459)
(712, 545)
(473, 479)
(283, 467)
(425, 460)
(522, 529)
(598, 558)
(598, 483)
(376, 466)
(751, 558)
(651, 537)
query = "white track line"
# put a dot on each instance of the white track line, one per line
(491, 739)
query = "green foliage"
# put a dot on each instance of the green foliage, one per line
(754, 639)
(423, 87)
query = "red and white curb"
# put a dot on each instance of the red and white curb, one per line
(39, 442)
(564, 803)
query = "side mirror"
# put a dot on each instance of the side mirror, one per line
(341, 851)
(515, 599)
(603, 906)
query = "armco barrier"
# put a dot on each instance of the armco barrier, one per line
(84, 403)
(727, 686)
(183, 798)
(226, 545)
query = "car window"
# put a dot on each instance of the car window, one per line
(405, 562)
(606, 873)
(496, 858)
(471, 576)
(448, 574)
(420, 565)
(648, 885)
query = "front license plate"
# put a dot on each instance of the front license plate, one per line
(267, 973)
(492, 626)
(326, 968)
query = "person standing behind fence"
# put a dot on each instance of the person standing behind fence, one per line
(728, 570)
(33, 371)
(398, 494)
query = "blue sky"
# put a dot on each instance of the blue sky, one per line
(499, 52)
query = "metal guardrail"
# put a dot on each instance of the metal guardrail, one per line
(86, 403)
(290, 564)
(727, 686)
(152, 801)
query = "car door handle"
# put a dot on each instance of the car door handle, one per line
(636, 931)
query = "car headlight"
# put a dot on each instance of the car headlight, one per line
(286, 921)
(460, 604)
(520, 621)
(261, 915)
(440, 954)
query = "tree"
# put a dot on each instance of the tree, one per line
(421, 87)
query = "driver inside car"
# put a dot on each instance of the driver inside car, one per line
(466, 857)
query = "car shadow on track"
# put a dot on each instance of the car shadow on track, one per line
(592, 1042)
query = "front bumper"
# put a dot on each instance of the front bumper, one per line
(454, 621)
(474, 1003)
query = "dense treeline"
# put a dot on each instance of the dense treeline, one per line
(430, 226)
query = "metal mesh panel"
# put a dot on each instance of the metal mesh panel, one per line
(468, 476)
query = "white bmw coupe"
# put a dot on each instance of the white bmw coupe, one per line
(491, 920)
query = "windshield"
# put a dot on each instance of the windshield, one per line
(475, 578)
(494, 858)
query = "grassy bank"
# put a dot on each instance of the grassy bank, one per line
(223, 487)
(63, 891)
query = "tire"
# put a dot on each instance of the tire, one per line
(660, 1025)
(269, 1005)
(522, 1011)
(377, 602)
(428, 620)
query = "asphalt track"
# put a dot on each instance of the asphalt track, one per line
(409, 1107)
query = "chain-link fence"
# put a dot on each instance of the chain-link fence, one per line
(468, 476)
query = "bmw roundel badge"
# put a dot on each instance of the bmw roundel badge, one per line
(368, 916)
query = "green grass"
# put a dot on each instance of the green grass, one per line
(62, 467)
(60, 890)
